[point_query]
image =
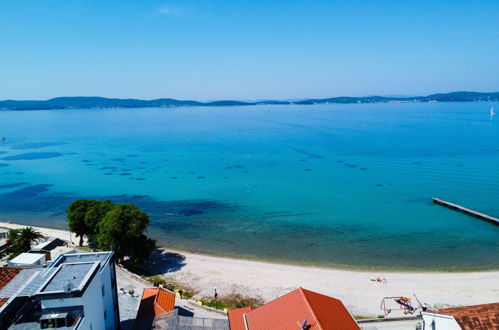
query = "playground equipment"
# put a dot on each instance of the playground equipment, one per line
(402, 303)
(424, 306)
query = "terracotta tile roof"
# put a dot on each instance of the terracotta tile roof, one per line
(154, 302)
(3, 301)
(236, 318)
(299, 308)
(7, 274)
(477, 317)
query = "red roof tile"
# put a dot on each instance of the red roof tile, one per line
(7, 274)
(154, 302)
(3, 301)
(477, 317)
(236, 318)
(299, 308)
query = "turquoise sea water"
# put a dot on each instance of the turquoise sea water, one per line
(330, 184)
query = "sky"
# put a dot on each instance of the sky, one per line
(246, 50)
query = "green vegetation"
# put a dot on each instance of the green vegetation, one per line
(232, 300)
(116, 227)
(185, 291)
(362, 317)
(20, 241)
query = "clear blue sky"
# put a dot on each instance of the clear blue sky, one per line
(235, 49)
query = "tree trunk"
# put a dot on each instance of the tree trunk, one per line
(81, 240)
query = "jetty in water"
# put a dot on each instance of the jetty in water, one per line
(467, 211)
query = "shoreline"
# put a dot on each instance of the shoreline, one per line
(355, 288)
(186, 250)
(361, 268)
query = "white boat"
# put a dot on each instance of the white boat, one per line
(492, 113)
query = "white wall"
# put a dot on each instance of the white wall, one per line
(105, 274)
(93, 302)
(441, 322)
(92, 305)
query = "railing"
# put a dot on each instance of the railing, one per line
(77, 323)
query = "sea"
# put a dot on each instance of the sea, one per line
(345, 185)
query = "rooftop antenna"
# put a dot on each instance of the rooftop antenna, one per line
(68, 287)
(304, 325)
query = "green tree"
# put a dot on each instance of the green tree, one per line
(83, 216)
(96, 211)
(141, 249)
(75, 215)
(20, 240)
(122, 230)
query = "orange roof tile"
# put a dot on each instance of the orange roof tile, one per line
(477, 317)
(3, 301)
(297, 308)
(154, 302)
(236, 318)
(7, 274)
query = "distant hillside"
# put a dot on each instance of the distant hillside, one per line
(80, 102)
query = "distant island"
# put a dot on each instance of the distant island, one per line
(103, 102)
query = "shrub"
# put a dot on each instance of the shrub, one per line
(232, 300)
(156, 280)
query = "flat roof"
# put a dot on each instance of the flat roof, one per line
(45, 243)
(27, 258)
(70, 277)
(102, 257)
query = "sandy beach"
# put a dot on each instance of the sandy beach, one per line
(355, 288)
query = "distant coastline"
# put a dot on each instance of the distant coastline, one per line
(79, 102)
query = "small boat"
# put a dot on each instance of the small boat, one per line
(492, 113)
(2, 138)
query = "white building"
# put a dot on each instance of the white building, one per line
(27, 260)
(433, 321)
(4, 237)
(484, 316)
(47, 246)
(77, 291)
(57, 251)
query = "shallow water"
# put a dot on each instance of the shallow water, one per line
(330, 184)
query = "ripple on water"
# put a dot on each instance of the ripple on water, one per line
(12, 185)
(36, 145)
(33, 156)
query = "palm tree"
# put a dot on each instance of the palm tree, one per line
(20, 239)
(28, 235)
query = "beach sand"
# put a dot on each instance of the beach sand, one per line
(355, 288)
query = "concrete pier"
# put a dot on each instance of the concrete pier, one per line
(467, 211)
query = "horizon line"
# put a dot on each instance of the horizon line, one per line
(393, 96)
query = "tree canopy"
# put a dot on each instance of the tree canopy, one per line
(83, 215)
(20, 240)
(119, 228)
